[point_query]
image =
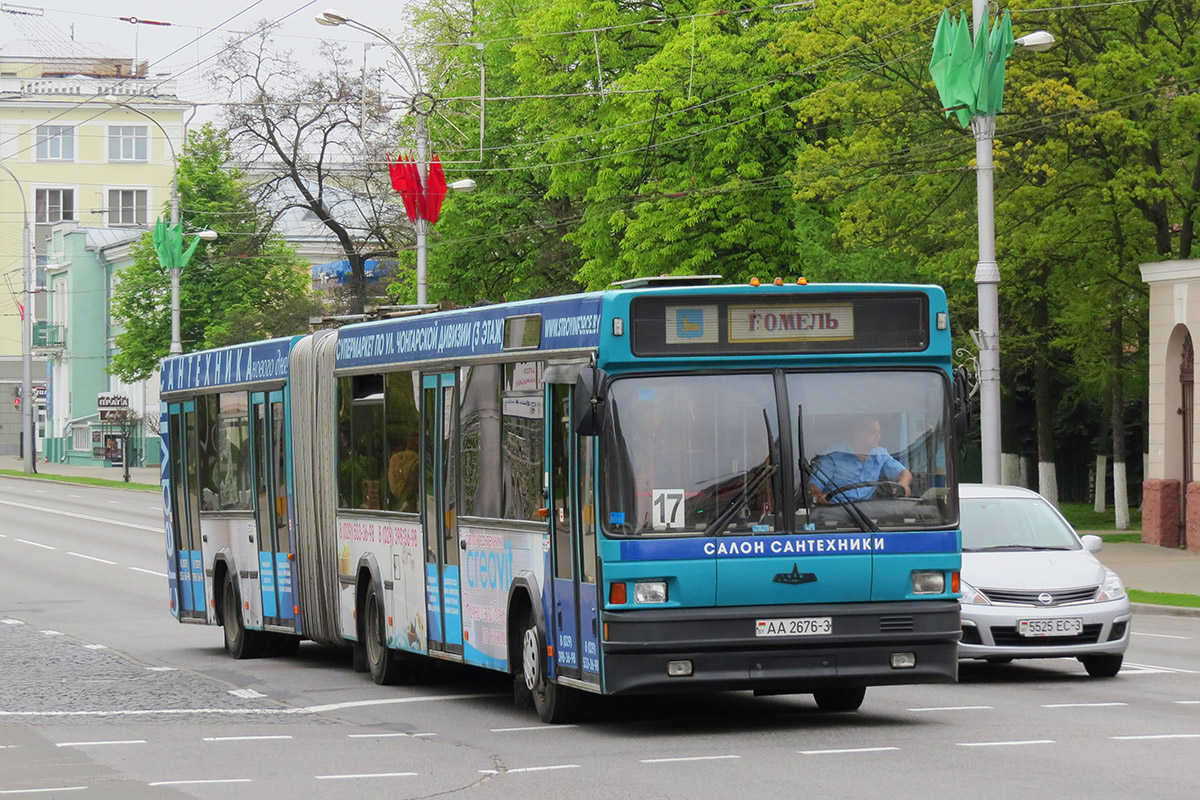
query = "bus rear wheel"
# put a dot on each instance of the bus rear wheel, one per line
(844, 698)
(384, 663)
(239, 642)
(555, 704)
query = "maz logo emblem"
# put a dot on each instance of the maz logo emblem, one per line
(795, 576)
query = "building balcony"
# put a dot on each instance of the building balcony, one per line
(48, 335)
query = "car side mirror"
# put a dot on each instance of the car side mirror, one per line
(591, 398)
(961, 401)
(1092, 543)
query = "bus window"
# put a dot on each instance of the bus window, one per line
(479, 415)
(402, 411)
(524, 438)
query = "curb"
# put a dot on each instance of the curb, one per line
(59, 478)
(1165, 611)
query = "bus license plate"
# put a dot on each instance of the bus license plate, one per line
(794, 626)
(1065, 626)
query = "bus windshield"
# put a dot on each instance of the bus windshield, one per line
(701, 454)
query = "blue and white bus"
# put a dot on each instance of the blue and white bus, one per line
(663, 487)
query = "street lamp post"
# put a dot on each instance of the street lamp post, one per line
(28, 434)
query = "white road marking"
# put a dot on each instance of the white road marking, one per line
(527, 769)
(243, 738)
(91, 558)
(148, 712)
(40, 491)
(39, 791)
(685, 758)
(386, 735)
(1081, 705)
(149, 572)
(953, 708)
(1005, 744)
(114, 502)
(533, 728)
(1188, 702)
(210, 780)
(35, 544)
(366, 775)
(12, 621)
(1158, 736)
(846, 750)
(248, 694)
(390, 701)
(51, 633)
(1155, 668)
(96, 646)
(163, 669)
(98, 744)
(73, 495)
(1159, 635)
(72, 514)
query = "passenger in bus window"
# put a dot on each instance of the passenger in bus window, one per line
(860, 461)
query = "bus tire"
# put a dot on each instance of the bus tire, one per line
(383, 662)
(239, 642)
(843, 698)
(555, 704)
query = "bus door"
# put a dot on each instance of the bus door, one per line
(271, 507)
(440, 480)
(574, 622)
(187, 560)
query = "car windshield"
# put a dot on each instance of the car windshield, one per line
(703, 454)
(1014, 523)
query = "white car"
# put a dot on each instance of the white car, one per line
(1031, 588)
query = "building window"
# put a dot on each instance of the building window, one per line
(126, 206)
(127, 143)
(81, 438)
(54, 205)
(55, 143)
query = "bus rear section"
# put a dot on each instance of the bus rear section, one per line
(781, 530)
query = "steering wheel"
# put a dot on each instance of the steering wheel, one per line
(897, 489)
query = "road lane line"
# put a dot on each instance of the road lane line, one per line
(1188, 702)
(393, 700)
(685, 758)
(248, 694)
(40, 791)
(35, 544)
(953, 708)
(243, 738)
(1159, 635)
(12, 621)
(528, 769)
(210, 780)
(91, 558)
(1157, 736)
(1162, 669)
(163, 669)
(533, 728)
(96, 646)
(1081, 705)
(72, 514)
(1005, 744)
(386, 735)
(846, 750)
(114, 502)
(51, 633)
(149, 572)
(365, 775)
(147, 712)
(98, 744)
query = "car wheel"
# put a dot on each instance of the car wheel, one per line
(1102, 666)
(847, 698)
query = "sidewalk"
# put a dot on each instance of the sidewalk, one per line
(1152, 568)
(150, 475)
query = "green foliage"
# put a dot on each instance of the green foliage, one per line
(245, 286)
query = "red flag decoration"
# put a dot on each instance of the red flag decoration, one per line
(418, 190)
(402, 183)
(435, 191)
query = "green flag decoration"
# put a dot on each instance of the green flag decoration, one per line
(168, 243)
(969, 76)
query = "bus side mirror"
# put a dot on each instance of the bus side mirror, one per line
(962, 401)
(591, 396)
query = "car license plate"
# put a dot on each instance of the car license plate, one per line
(794, 626)
(1063, 626)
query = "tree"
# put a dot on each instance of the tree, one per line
(245, 286)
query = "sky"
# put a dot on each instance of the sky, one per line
(197, 31)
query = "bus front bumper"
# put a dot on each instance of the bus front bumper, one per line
(871, 644)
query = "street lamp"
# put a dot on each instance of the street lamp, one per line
(27, 430)
(975, 96)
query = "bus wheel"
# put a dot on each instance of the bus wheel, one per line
(554, 703)
(847, 698)
(239, 642)
(383, 662)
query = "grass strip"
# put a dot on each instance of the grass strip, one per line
(1121, 537)
(1165, 598)
(1083, 517)
(86, 481)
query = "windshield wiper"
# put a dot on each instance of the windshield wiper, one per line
(718, 525)
(996, 547)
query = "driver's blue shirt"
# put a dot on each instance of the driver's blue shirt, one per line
(840, 468)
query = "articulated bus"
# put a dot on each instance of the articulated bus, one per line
(663, 487)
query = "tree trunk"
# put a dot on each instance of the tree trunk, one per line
(1101, 482)
(1117, 377)
(1044, 404)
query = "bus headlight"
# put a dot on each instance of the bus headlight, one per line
(928, 582)
(650, 592)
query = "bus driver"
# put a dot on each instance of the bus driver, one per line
(863, 462)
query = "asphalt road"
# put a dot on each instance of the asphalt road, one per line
(104, 695)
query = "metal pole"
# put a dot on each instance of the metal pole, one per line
(987, 282)
(176, 344)
(28, 433)
(422, 224)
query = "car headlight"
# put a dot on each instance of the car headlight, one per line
(971, 595)
(1112, 588)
